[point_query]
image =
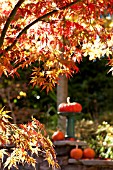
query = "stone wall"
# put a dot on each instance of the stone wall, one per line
(66, 163)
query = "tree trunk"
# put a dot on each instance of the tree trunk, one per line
(62, 94)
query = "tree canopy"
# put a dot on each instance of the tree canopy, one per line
(54, 35)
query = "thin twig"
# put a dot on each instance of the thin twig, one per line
(9, 19)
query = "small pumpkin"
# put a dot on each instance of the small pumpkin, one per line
(58, 135)
(72, 139)
(70, 107)
(76, 153)
(89, 153)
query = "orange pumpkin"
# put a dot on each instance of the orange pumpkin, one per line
(89, 153)
(76, 153)
(71, 139)
(58, 135)
(70, 107)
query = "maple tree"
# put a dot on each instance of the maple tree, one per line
(55, 35)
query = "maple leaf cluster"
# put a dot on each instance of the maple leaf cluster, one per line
(55, 35)
(24, 141)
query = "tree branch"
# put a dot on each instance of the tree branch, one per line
(9, 19)
(34, 22)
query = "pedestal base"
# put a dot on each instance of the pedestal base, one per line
(70, 123)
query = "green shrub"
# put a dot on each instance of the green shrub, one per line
(98, 136)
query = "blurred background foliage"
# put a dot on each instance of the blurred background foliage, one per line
(92, 86)
(98, 136)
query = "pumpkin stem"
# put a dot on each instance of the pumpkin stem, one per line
(76, 146)
(68, 99)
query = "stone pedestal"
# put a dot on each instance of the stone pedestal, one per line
(70, 123)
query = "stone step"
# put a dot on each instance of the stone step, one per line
(91, 162)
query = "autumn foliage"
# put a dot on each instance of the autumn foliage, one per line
(54, 35)
(24, 139)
